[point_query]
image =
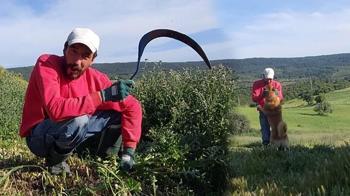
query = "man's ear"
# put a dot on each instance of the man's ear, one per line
(95, 55)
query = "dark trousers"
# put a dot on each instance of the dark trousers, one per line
(265, 128)
(67, 135)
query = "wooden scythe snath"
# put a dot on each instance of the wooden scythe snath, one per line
(171, 34)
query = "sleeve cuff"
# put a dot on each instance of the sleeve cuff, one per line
(130, 144)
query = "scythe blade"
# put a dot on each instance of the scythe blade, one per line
(171, 34)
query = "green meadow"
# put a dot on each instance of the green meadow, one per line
(305, 124)
(316, 163)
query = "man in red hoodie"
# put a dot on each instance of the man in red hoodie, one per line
(68, 102)
(259, 92)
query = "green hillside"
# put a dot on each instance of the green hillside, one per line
(333, 66)
(12, 88)
(304, 123)
(316, 162)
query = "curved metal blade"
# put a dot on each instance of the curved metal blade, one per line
(171, 34)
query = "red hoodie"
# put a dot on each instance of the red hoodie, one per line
(258, 89)
(51, 95)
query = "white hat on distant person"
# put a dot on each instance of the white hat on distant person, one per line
(268, 73)
(84, 36)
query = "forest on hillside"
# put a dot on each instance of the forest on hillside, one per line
(335, 66)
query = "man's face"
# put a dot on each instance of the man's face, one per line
(268, 80)
(78, 58)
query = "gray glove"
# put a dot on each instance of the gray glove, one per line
(127, 160)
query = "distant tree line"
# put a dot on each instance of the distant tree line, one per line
(308, 88)
(325, 66)
(302, 77)
(305, 89)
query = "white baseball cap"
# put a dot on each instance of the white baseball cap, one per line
(84, 36)
(268, 73)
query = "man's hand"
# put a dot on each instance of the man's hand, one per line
(259, 108)
(265, 93)
(118, 91)
(127, 161)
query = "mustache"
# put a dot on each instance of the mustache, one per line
(73, 67)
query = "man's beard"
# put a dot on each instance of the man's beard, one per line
(72, 71)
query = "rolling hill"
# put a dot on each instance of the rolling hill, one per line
(329, 66)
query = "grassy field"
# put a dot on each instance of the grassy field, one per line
(301, 119)
(317, 162)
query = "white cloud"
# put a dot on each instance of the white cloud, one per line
(294, 34)
(26, 33)
(120, 25)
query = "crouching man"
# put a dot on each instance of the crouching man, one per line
(68, 102)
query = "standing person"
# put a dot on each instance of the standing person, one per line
(259, 92)
(67, 102)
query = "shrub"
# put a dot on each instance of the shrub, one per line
(239, 123)
(320, 98)
(187, 118)
(252, 104)
(323, 108)
(307, 96)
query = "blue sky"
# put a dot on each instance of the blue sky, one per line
(224, 28)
